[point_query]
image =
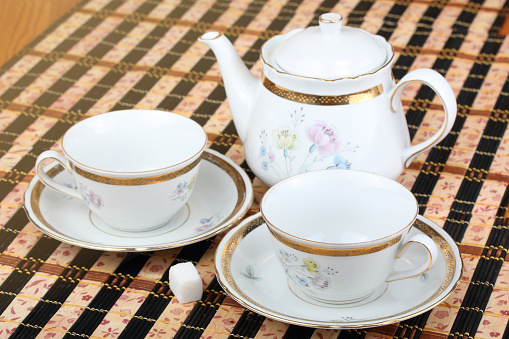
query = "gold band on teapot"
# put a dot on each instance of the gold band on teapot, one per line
(323, 100)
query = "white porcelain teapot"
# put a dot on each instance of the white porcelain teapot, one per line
(327, 99)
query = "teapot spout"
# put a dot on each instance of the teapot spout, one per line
(239, 83)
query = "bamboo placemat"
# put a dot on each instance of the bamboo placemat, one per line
(109, 54)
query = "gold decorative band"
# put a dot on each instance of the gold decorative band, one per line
(335, 252)
(135, 181)
(323, 100)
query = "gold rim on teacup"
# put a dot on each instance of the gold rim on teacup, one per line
(335, 252)
(330, 245)
(163, 169)
(135, 181)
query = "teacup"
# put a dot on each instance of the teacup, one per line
(339, 234)
(134, 169)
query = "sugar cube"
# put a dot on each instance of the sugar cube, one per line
(185, 282)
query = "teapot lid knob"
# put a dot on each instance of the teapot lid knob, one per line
(330, 23)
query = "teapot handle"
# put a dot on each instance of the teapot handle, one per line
(441, 87)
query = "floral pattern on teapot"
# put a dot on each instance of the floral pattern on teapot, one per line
(342, 77)
(321, 139)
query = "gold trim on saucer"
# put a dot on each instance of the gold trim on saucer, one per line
(135, 181)
(335, 252)
(323, 100)
(447, 283)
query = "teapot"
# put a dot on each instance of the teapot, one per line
(327, 99)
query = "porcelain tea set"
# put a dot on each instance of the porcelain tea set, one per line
(324, 127)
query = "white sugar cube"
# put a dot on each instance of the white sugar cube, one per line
(185, 282)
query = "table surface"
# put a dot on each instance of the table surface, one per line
(109, 54)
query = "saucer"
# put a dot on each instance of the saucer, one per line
(222, 195)
(250, 273)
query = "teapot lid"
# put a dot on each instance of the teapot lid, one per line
(331, 51)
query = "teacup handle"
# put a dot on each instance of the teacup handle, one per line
(432, 250)
(441, 87)
(47, 180)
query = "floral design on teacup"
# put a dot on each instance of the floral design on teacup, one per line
(210, 222)
(281, 152)
(91, 198)
(308, 273)
(183, 190)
